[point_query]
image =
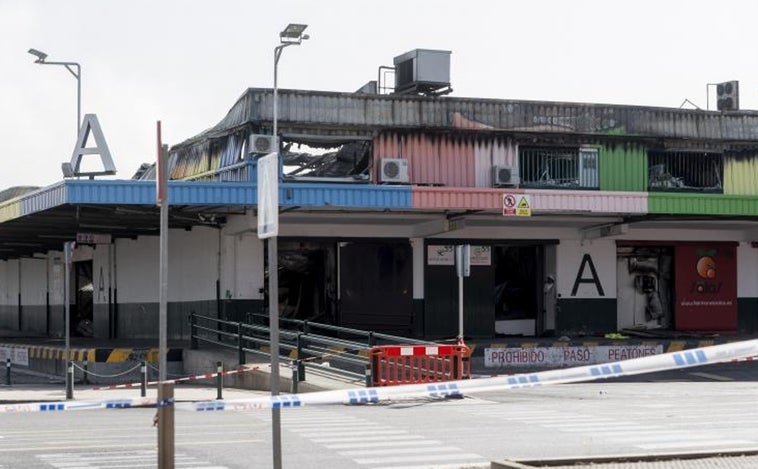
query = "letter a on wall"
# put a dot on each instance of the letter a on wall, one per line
(594, 279)
(90, 125)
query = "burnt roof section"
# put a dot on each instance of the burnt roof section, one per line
(16, 191)
(341, 114)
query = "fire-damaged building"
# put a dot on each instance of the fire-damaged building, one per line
(582, 219)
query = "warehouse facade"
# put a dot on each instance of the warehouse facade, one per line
(583, 219)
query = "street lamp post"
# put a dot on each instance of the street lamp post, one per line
(291, 36)
(41, 59)
(68, 246)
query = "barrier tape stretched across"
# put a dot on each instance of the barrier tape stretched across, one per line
(653, 363)
(240, 369)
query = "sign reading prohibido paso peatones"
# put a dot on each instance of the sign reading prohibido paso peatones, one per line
(706, 287)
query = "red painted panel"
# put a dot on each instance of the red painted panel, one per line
(706, 287)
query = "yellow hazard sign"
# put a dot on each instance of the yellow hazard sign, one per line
(515, 204)
(524, 207)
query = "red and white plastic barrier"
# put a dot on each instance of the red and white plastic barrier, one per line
(393, 365)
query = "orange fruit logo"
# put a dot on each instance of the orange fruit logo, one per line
(706, 267)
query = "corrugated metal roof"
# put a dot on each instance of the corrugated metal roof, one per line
(458, 198)
(344, 195)
(336, 112)
(33, 201)
(13, 192)
(623, 167)
(10, 210)
(588, 201)
(670, 203)
(741, 175)
(542, 200)
(211, 193)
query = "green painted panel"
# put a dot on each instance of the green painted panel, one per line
(741, 175)
(701, 204)
(623, 167)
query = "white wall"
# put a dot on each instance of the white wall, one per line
(11, 279)
(747, 271)
(55, 273)
(242, 272)
(193, 264)
(193, 267)
(570, 253)
(4, 286)
(101, 273)
(33, 282)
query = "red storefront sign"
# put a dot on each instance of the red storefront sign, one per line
(706, 287)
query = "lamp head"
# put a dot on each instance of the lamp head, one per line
(293, 33)
(41, 56)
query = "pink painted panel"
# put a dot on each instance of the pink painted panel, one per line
(459, 198)
(588, 201)
(437, 160)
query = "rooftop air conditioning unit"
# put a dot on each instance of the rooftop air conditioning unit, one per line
(393, 170)
(504, 176)
(261, 144)
(423, 71)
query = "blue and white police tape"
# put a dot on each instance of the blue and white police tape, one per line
(649, 364)
(77, 405)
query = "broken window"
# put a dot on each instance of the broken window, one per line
(685, 171)
(323, 158)
(557, 167)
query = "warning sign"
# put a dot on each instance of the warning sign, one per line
(524, 207)
(517, 205)
(509, 204)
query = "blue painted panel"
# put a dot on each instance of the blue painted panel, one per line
(143, 192)
(233, 193)
(344, 195)
(211, 193)
(110, 192)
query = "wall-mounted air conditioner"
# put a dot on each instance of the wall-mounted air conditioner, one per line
(393, 170)
(504, 176)
(261, 144)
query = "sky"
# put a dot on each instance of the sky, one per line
(185, 62)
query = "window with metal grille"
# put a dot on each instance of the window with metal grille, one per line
(556, 167)
(685, 171)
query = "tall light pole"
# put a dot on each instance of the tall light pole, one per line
(68, 246)
(41, 59)
(291, 36)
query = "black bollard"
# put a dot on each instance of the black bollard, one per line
(143, 383)
(219, 379)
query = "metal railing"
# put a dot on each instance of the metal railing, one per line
(333, 350)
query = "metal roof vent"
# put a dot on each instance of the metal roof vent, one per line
(423, 71)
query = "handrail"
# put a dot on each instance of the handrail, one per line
(352, 358)
(305, 325)
(308, 348)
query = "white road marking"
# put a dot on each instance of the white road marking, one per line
(467, 464)
(368, 438)
(696, 444)
(383, 444)
(428, 459)
(712, 376)
(398, 451)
